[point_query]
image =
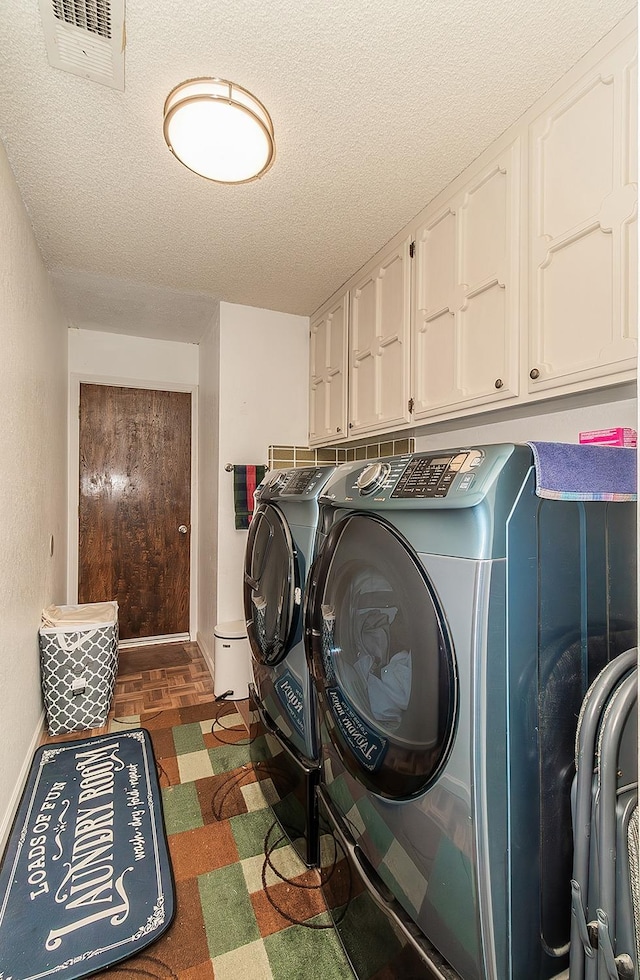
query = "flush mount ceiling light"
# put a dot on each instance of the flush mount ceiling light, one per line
(219, 130)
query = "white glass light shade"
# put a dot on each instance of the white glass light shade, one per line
(219, 130)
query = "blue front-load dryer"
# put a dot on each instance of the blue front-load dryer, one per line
(455, 620)
(284, 744)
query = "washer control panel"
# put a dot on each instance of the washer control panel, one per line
(373, 477)
(432, 476)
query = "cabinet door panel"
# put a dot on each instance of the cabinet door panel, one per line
(364, 352)
(363, 317)
(629, 284)
(318, 341)
(576, 283)
(434, 338)
(319, 396)
(466, 317)
(583, 227)
(435, 356)
(483, 228)
(630, 114)
(363, 391)
(379, 354)
(483, 344)
(317, 383)
(436, 263)
(393, 302)
(328, 379)
(576, 167)
(392, 389)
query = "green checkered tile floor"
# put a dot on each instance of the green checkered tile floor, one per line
(237, 919)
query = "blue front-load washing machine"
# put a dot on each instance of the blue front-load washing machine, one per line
(284, 743)
(455, 620)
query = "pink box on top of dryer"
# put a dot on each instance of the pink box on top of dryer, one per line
(610, 437)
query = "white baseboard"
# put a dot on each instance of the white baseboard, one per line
(148, 641)
(14, 800)
(205, 651)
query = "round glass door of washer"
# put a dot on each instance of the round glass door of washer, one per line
(381, 658)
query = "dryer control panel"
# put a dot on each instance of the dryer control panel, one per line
(432, 476)
(300, 482)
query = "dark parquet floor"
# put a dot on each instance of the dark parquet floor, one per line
(154, 678)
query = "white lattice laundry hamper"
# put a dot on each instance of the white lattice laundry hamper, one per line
(78, 664)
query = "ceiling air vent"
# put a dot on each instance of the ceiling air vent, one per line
(86, 37)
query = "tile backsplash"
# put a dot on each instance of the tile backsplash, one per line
(387, 447)
(285, 457)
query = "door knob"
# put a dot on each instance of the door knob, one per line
(183, 529)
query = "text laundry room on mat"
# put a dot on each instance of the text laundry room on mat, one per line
(86, 879)
(238, 916)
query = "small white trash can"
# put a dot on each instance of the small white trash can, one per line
(231, 661)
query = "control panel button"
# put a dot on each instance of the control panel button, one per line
(278, 481)
(474, 459)
(372, 477)
(299, 481)
(434, 475)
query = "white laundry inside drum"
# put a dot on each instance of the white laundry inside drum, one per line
(380, 676)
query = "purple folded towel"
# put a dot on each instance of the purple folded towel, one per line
(565, 471)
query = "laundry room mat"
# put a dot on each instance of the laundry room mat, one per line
(86, 879)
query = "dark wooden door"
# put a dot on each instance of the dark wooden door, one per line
(135, 495)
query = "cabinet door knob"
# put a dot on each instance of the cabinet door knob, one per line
(351, 425)
(499, 383)
(338, 429)
(534, 373)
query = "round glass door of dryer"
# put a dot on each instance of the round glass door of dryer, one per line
(381, 658)
(271, 587)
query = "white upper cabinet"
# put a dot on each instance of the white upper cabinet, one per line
(328, 373)
(523, 283)
(583, 230)
(379, 344)
(466, 299)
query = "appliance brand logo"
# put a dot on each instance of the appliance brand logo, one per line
(368, 746)
(290, 693)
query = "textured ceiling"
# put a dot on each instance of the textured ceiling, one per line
(376, 104)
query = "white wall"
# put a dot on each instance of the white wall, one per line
(263, 400)
(251, 370)
(553, 421)
(111, 356)
(33, 503)
(208, 454)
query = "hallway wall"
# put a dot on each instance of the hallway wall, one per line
(250, 370)
(264, 392)
(112, 357)
(33, 498)
(209, 457)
